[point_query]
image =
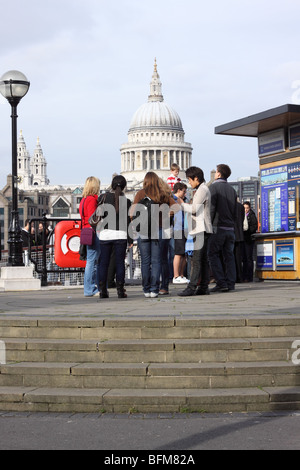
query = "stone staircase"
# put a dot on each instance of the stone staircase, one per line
(173, 364)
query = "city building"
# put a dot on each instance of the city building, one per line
(36, 196)
(248, 189)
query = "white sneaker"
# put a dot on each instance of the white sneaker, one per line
(147, 294)
(180, 280)
(153, 295)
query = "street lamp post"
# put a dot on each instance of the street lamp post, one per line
(14, 86)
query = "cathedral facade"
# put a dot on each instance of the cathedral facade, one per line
(36, 196)
(32, 171)
(155, 139)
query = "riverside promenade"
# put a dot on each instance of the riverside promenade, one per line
(268, 298)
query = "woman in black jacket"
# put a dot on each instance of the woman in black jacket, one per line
(114, 233)
(249, 243)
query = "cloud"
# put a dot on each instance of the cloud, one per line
(90, 64)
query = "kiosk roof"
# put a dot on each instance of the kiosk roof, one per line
(269, 120)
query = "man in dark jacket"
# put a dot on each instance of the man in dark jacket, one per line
(221, 243)
(239, 242)
(249, 243)
(27, 234)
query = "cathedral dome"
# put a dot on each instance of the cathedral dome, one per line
(155, 114)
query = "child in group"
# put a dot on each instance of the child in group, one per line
(179, 265)
(173, 178)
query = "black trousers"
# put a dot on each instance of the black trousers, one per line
(200, 267)
(248, 262)
(221, 246)
(120, 253)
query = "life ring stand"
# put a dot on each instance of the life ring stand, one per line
(67, 244)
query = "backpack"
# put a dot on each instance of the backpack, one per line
(148, 226)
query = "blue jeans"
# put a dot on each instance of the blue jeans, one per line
(90, 273)
(120, 253)
(154, 258)
(150, 264)
(221, 257)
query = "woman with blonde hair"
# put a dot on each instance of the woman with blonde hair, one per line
(153, 245)
(87, 207)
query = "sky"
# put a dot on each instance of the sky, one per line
(90, 63)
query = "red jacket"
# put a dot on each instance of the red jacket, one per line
(89, 207)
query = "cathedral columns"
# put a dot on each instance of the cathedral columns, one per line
(155, 160)
(148, 161)
(151, 160)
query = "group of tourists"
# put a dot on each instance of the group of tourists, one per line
(159, 214)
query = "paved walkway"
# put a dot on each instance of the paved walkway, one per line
(156, 432)
(273, 298)
(150, 433)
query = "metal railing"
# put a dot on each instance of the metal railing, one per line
(40, 253)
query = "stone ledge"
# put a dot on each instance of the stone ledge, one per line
(18, 278)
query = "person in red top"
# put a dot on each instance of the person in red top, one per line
(87, 207)
(173, 178)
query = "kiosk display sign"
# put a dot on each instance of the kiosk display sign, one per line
(271, 142)
(285, 255)
(265, 256)
(274, 199)
(294, 136)
(294, 191)
(280, 189)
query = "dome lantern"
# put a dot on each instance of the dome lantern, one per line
(155, 86)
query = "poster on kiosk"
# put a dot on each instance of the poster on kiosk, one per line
(280, 188)
(280, 184)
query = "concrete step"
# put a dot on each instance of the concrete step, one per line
(178, 350)
(150, 375)
(152, 328)
(31, 399)
(136, 364)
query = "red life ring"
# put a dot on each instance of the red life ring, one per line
(66, 245)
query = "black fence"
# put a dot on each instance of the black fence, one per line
(41, 254)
